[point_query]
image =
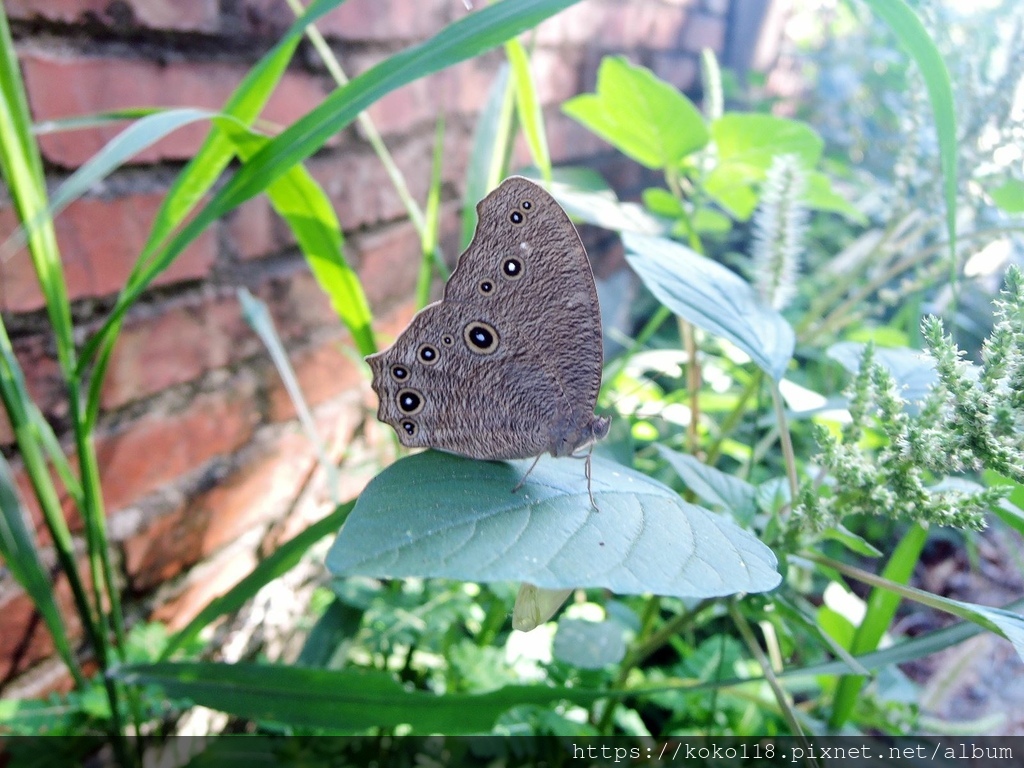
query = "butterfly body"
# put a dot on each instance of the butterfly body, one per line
(507, 365)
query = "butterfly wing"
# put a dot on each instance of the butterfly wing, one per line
(508, 364)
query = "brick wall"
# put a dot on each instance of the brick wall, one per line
(203, 466)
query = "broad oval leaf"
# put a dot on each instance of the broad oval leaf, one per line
(589, 644)
(438, 515)
(640, 114)
(712, 297)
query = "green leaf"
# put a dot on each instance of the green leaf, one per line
(915, 40)
(531, 116)
(639, 114)
(746, 145)
(492, 138)
(284, 558)
(468, 37)
(1009, 196)
(438, 515)
(589, 644)
(851, 541)
(342, 701)
(751, 141)
(713, 486)
(307, 209)
(821, 196)
(586, 197)
(661, 202)
(712, 297)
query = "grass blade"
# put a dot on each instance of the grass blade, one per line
(528, 107)
(307, 210)
(492, 141)
(344, 700)
(881, 608)
(915, 40)
(20, 553)
(258, 316)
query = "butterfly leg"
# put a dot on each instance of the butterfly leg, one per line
(523, 481)
(590, 491)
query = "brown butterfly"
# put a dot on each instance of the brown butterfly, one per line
(508, 364)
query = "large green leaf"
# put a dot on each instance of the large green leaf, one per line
(746, 145)
(639, 114)
(343, 701)
(1009, 196)
(438, 515)
(468, 37)
(712, 297)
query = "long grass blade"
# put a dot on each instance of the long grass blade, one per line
(20, 552)
(492, 141)
(529, 108)
(914, 38)
(258, 316)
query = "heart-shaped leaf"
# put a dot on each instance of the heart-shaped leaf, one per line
(712, 297)
(437, 515)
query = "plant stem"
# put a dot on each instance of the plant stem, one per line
(644, 648)
(786, 440)
(780, 695)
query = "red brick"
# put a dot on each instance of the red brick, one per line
(389, 263)
(210, 582)
(185, 339)
(64, 86)
(251, 229)
(193, 16)
(361, 191)
(370, 20)
(460, 89)
(617, 25)
(50, 677)
(141, 456)
(255, 493)
(680, 71)
(100, 240)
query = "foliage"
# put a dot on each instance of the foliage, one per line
(711, 408)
